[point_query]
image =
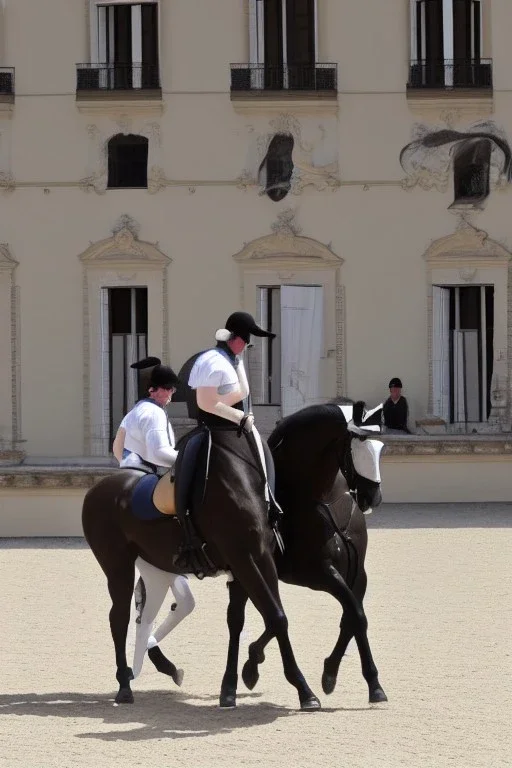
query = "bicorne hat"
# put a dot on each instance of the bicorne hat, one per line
(160, 375)
(241, 324)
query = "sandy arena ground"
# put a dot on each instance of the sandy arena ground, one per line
(439, 606)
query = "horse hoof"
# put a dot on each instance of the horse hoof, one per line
(328, 683)
(227, 701)
(250, 675)
(178, 677)
(377, 696)
(124, 696)
(310, 704)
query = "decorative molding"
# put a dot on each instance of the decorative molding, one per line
(427, 180)
(124, 248)
(285, 223)
(468, 244)
(7, 182)
(8, 267)
(281, 250)
(340, 338)
(305, 172)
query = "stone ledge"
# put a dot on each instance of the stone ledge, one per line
(82, 477)
(52, 477)
(447, 445)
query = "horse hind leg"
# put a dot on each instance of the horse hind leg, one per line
(120, 587)
(183, 606)
(236, 617)
(156, 584)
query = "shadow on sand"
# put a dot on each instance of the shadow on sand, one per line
(154, 715)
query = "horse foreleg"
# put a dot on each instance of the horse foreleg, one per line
(261, 583)
(353, 624)
(120, 587)
(250, 672)
(235, 617)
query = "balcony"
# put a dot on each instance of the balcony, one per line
(452, 75)
(7, 85)
(284, 81)
(118, 81)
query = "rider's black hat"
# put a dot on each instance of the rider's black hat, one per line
(395, 383)
(160, 376)
(241, 324)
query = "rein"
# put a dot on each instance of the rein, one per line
(345, 537)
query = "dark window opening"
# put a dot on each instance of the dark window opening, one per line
(471, 352)
(277, 167)
(128, 337)
(471, 170)
(127, 162)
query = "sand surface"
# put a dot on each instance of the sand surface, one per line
(439, 607)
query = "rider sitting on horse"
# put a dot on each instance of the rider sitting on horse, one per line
(145, 438)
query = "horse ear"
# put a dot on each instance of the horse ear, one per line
(357, 417)
(374, 416)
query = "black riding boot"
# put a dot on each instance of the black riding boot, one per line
(191, 557)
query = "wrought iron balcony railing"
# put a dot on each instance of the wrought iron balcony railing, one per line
(117, 77)
(6, 81)
(261, 78)
(457, 73)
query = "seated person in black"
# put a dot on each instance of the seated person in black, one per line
(395, 409)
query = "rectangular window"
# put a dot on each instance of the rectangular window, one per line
(463, 334)
(283, 39)
(285, 371)
(446, 41)
(127, 45)
(128, 341)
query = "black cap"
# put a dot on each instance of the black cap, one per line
(161, 375)
(243, 324)
(395, 383)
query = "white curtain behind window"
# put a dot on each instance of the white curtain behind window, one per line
(301, 345)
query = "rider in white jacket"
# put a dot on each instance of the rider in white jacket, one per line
(145, 438)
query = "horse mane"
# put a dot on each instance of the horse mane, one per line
(306, 417)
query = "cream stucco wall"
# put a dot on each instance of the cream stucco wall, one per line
(202, 216)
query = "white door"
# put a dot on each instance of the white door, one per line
(301, 346)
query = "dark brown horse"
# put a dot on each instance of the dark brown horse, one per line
(231, 515)
(327, 472)
(319, 486)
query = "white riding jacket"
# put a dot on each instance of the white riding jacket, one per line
(149, 436)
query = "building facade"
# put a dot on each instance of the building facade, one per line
(342, 172)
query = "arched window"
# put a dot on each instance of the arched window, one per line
(127, 162)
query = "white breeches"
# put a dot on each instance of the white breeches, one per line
(157, 583)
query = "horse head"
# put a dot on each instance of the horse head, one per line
(359, 454)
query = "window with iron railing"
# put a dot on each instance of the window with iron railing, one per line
(446, 45)
(124, 48)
